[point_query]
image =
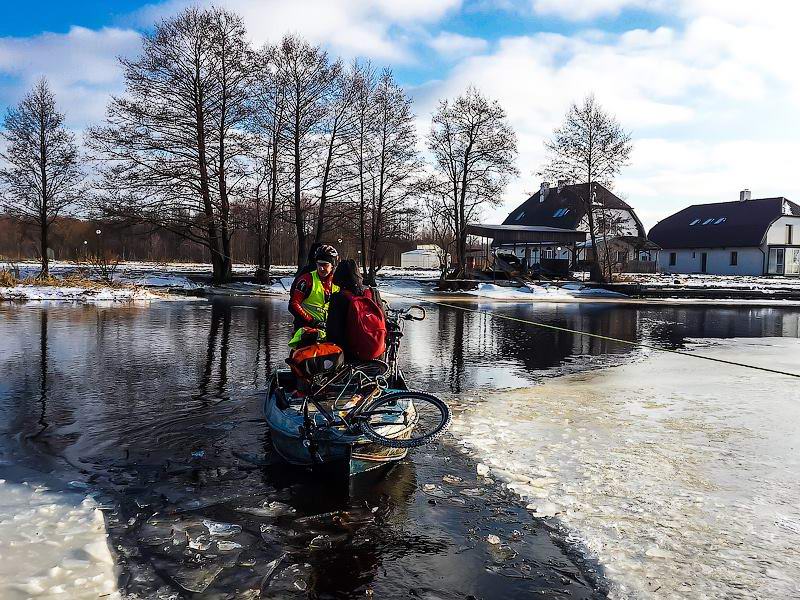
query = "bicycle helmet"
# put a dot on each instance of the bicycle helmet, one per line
(327, 253)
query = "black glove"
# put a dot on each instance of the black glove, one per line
(317, 324)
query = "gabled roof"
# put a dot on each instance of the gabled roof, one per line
(568, 204)
(721, 224)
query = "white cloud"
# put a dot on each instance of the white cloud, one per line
(584, 10)
(376, 29)
(81, 66)
(454, 45)
(711, 104)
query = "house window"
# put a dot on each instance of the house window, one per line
(548, 253)
(673, 259)
(622, 256)
(520, 215)
(561, 212)
(695, 222)
(776, 260)
(707, 221)
(720, 220)
(789, 231)
(734, 259)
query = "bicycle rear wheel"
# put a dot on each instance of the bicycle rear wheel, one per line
(405, 419)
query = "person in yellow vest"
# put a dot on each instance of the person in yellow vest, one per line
(310, 296)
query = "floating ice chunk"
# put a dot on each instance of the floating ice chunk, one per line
(221, 529)
(452, 479)
(78, 485)
(483, 470)
(196, 580)
(656, 552)
(99, 551)
(493, 539)
(198, 454)
(226, 546)
(268, 509)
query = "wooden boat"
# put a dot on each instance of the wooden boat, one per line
(329, 444)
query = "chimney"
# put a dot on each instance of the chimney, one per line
(543, 190)
(744, 195)
(561, 184)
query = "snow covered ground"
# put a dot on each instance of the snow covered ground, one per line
(76, 294)
(680, 491)
(701, 281)
(52, 545)
(542, 292)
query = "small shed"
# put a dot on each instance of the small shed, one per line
(426, 256)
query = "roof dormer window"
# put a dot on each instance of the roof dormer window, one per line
(707, 221)
(519, 216)
(720, 220)
(695, 222)
(560, 212)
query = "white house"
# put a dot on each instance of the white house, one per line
(750, 237)
(426, 256)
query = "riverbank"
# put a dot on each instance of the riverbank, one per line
(682, 480)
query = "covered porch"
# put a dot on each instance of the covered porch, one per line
(526, 249)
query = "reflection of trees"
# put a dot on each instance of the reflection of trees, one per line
(220, 314)
(263, 351)
(671, 326)
(43, 372)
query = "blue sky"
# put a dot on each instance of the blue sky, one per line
(708, 88)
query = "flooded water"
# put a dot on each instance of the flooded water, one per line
(153, 413)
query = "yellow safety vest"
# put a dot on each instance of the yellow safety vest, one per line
(316, 305)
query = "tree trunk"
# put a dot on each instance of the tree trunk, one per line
(298, 209)
(44, 209)
(595, 272)
(45, 258)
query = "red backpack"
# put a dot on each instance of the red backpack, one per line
(366, 326)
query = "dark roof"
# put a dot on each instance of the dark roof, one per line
(510, 234)
(743, 223)
(571, 197)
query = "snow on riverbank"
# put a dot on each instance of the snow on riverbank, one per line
(541, 292)
(76, 294)
(52, 544)
(704, 281)
(680, 476)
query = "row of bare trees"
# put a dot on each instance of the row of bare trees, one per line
(212, 136)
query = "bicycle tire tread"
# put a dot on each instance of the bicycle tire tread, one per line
(409, 442)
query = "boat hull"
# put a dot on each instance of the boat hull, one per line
(331, 445)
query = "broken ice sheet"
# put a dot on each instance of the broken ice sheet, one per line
(221, 529)
(267, 509)
(196, 579)
(434, 490)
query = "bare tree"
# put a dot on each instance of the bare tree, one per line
(39, 175)
(338, 129)
(474, 149)
(269, 172)
(362, 150)
(171, 151)
(589, 147)
(309, 78)
(439, 227)
(395, 166)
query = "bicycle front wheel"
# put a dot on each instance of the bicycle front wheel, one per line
(405, 419)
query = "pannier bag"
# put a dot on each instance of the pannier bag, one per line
(366, 329)
(316, 359)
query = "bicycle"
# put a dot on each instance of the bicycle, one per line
(396, 418)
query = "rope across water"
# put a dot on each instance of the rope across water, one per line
(494, 315)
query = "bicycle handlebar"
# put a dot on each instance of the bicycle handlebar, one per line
(406, 314)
